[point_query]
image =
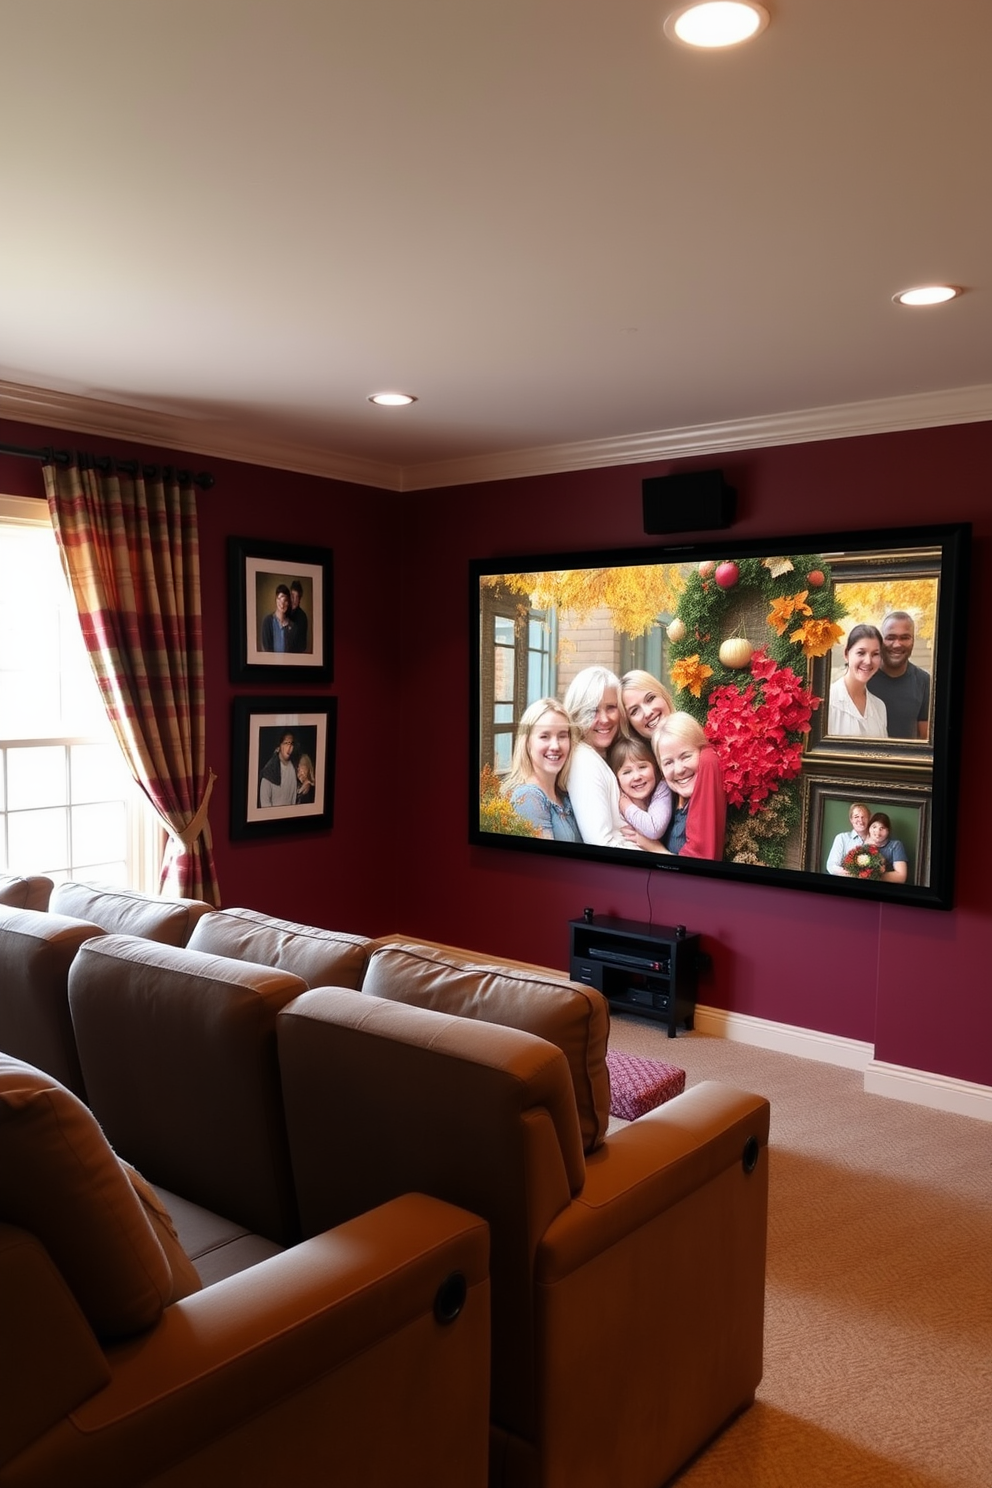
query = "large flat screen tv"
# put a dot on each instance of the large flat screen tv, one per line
(782, 711)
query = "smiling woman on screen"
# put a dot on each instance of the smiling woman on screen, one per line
(595, 708)
(542, 757)
(691, 768)
(854, 711)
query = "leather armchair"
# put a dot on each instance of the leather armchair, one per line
(627, 1282)
(360, 1356)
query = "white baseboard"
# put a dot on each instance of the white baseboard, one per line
(939, 1092)
(783, 1037)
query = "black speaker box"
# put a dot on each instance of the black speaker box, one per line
(695, 501)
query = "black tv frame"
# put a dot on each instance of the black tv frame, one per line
(920, 776)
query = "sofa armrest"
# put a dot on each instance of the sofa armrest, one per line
(653, 1164)
(58, 1359)
(290, 1372)
(659, 1266)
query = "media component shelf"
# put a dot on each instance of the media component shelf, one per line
(650, 970)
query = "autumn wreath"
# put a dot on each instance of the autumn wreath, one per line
(752, 699)
(864, 862)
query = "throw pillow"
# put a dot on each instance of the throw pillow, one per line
(63, 1182)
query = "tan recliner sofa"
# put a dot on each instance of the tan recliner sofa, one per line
(627, 1269)
(358, 1356)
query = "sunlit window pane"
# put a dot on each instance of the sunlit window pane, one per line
(48, 696)
(29, 705)
(97, 772)
(114, 872)
(98, 832)
(36, 776)
(38, 840)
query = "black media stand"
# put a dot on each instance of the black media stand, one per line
(648, 970)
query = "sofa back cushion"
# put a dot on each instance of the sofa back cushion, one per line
(481, 1116)
(178, 1053)
(60, 1179)
(124, 912)
(36, 951)
(322, 958)
(32, 892)
(514, 995)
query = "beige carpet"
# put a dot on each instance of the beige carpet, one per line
(878, 1322)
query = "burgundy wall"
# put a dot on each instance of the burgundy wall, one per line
(911, 981)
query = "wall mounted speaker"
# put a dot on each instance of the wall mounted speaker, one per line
(694, 501)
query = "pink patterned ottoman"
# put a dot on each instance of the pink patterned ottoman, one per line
(638, 1085)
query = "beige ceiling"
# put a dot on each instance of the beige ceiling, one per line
(226, 222)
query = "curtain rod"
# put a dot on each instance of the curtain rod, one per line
(104, 463)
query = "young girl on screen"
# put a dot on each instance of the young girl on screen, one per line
(645, 799)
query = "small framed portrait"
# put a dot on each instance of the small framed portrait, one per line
(282, 765)
(839, 814)
(280, 598)
(877, 681)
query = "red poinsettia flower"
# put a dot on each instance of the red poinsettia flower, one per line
(757, 730)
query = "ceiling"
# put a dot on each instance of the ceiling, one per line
(227, 222)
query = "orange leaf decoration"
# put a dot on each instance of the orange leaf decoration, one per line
(816, 636)
(783, 609)
(690, 673)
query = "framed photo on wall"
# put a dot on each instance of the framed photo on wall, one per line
(280, 597)
(282, 765)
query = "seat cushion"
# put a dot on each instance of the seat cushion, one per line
(322, 958)
(119, 911)
(514, 995)
(60, 1179)
(185, 1278)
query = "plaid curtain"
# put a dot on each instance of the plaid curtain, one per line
(130, 550)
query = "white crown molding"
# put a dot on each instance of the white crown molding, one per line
(842, 421)
(189, 435)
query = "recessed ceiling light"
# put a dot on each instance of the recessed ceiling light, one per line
(716, 23)
(927, 294)
(392, 400)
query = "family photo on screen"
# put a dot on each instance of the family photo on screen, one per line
(766, 711)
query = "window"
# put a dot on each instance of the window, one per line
(68, 805)
(517, 667)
